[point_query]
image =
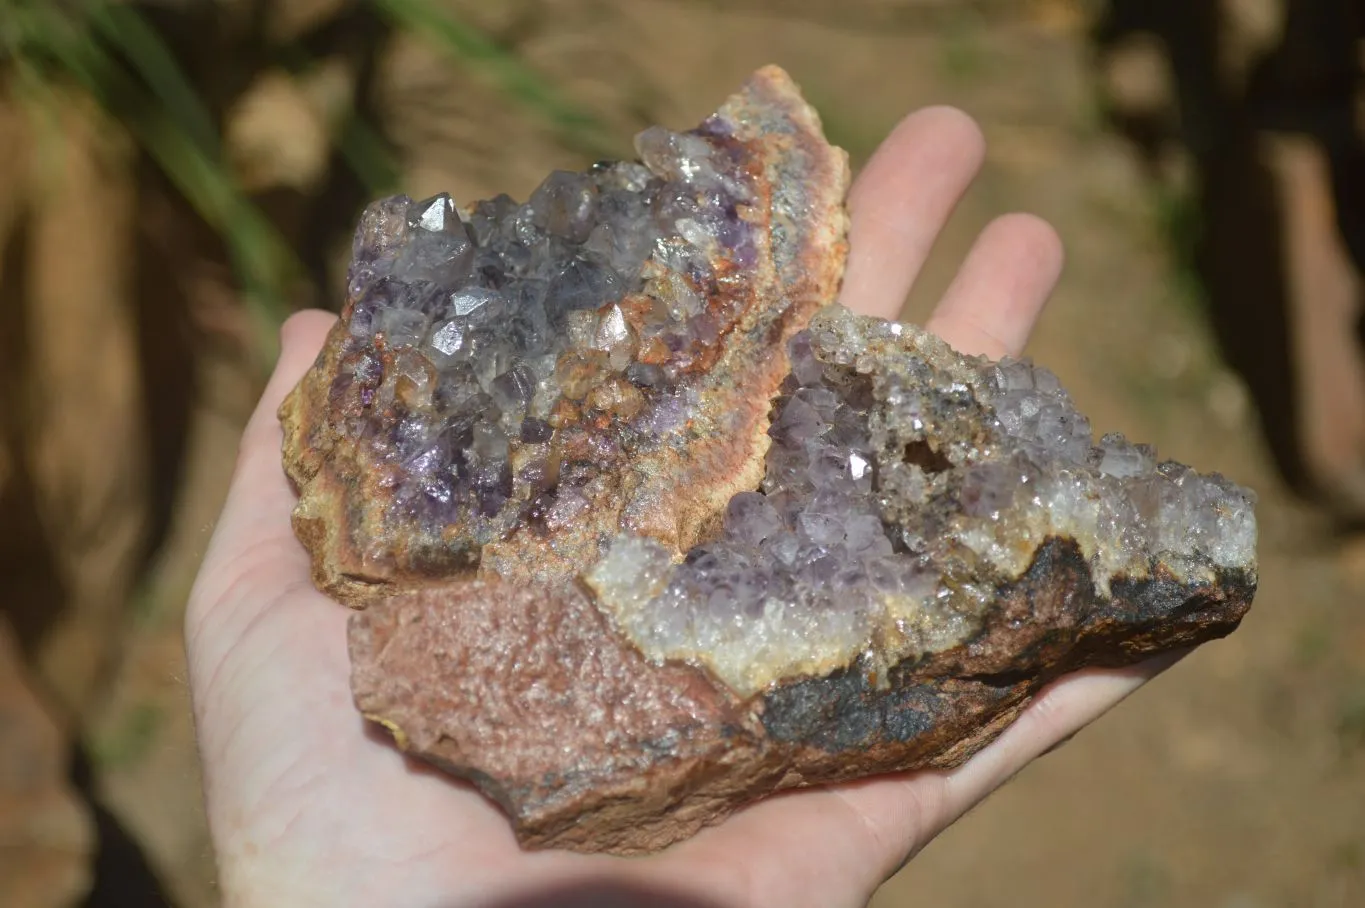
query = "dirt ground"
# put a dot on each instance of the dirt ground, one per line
(1237, 780)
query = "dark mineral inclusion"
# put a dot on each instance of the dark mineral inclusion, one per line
(810, 545)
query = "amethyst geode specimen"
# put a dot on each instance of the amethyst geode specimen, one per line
(644, 527)
(904, 486)
(511, 385)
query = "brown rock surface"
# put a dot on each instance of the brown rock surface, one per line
(532, 697)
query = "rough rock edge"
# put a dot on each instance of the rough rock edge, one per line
(726, 753)
(798, 161)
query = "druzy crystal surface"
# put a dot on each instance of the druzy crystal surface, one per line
(904, 485)
(505, 324)
(513, 383)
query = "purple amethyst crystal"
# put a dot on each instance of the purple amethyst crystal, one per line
(474, 327)
(904, 484)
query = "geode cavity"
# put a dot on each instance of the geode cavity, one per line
(645, 527)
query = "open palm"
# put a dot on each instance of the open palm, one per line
(310, 806)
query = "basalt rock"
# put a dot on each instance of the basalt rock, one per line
(644, 527)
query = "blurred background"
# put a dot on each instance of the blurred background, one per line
(176, 176)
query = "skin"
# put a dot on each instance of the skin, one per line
(309, 805)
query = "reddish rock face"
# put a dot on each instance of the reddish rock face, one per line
(644, 532)
(556, 718)
(535, 699)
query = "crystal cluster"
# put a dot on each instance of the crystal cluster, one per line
(498, 359)
(904, 484)
(641, 527)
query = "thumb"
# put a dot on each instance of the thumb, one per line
(301, 339)
(253, 528)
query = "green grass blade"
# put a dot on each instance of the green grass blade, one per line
(142, 47)
(368, 155)
(169, 123)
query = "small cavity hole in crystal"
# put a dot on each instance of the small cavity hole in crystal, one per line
(925, 457)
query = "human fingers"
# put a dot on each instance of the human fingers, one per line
(1000, 290)
(989, 309)
(908, 811)
(1059, 712)
(822, 847)
(900, 202)
(258, 479)
(836, 845)
(301, 337)
(254, 524)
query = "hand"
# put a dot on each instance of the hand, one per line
(310, 806)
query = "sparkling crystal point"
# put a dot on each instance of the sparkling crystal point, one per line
(434, 215)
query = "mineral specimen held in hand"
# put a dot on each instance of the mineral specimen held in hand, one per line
(646, 528)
